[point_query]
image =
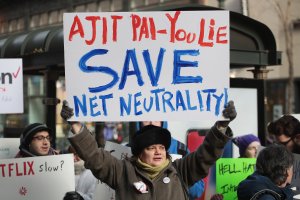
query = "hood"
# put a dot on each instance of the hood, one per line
(256, 183)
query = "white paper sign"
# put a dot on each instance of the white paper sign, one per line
(297, 116)
(133, 66)
(175, 157)
(117, 150)
(36, 178)
(9, 147)
(11, 86)
(102, 190)
(296, 175)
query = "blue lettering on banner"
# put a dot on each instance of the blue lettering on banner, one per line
(131, 58)
(160, 100)
(81, 106)
(178, 64)
(102, 69)
(154, 78)
(131, 55)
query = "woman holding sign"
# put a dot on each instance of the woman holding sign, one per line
(150, 173)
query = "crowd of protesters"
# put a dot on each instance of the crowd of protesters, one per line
(151, 173)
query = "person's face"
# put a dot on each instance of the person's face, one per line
(290, 175)
(251, 151)
(286, 141)
(290, 172)
(40, 144)
(154, 123)
(154, 155)
(76, 157)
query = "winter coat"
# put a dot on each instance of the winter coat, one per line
(259, 187)
(171, 183)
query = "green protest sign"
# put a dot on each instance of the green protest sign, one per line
(230, 172)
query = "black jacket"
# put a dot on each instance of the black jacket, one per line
(259, 187)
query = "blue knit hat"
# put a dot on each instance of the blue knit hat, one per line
(244, 141)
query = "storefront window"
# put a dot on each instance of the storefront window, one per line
(11, 125)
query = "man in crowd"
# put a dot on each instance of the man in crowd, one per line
(286, 130)
(272, 178)
(35, 140)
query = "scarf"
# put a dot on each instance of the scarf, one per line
(151, 171)
(24, 152)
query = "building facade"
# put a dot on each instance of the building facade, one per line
(274, 13)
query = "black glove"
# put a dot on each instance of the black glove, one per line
(229, 112)
(66, 112)
(73, 195)
(217, 197)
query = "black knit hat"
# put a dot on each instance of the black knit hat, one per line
(149, 135)
(30, 131)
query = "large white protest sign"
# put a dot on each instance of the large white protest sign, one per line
(132, 66)
(9, 147)
(11, 86)
(36, 178)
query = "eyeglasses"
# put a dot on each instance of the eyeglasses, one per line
(42, 138)
(286, 142)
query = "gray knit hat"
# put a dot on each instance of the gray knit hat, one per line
(30, 131)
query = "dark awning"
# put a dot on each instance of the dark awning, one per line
(39, 49)
(251, 43)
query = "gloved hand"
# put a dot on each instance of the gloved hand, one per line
(229, 112)
(217, 197)
(73, 195)
(66, 112)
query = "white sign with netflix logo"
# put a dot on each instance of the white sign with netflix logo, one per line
(11, 86)
(36, 178)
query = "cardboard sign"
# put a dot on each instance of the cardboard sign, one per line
(9, 147)
(230, 172)
(117, 150)
(11, 86)
(36, 178)
(102, 190)
(135, 66)
(296, 176)
(297, 116)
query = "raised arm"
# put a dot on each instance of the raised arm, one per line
(199, 162)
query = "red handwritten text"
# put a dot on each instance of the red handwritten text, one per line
(96, 29)
(17, 169)
(77, 29)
